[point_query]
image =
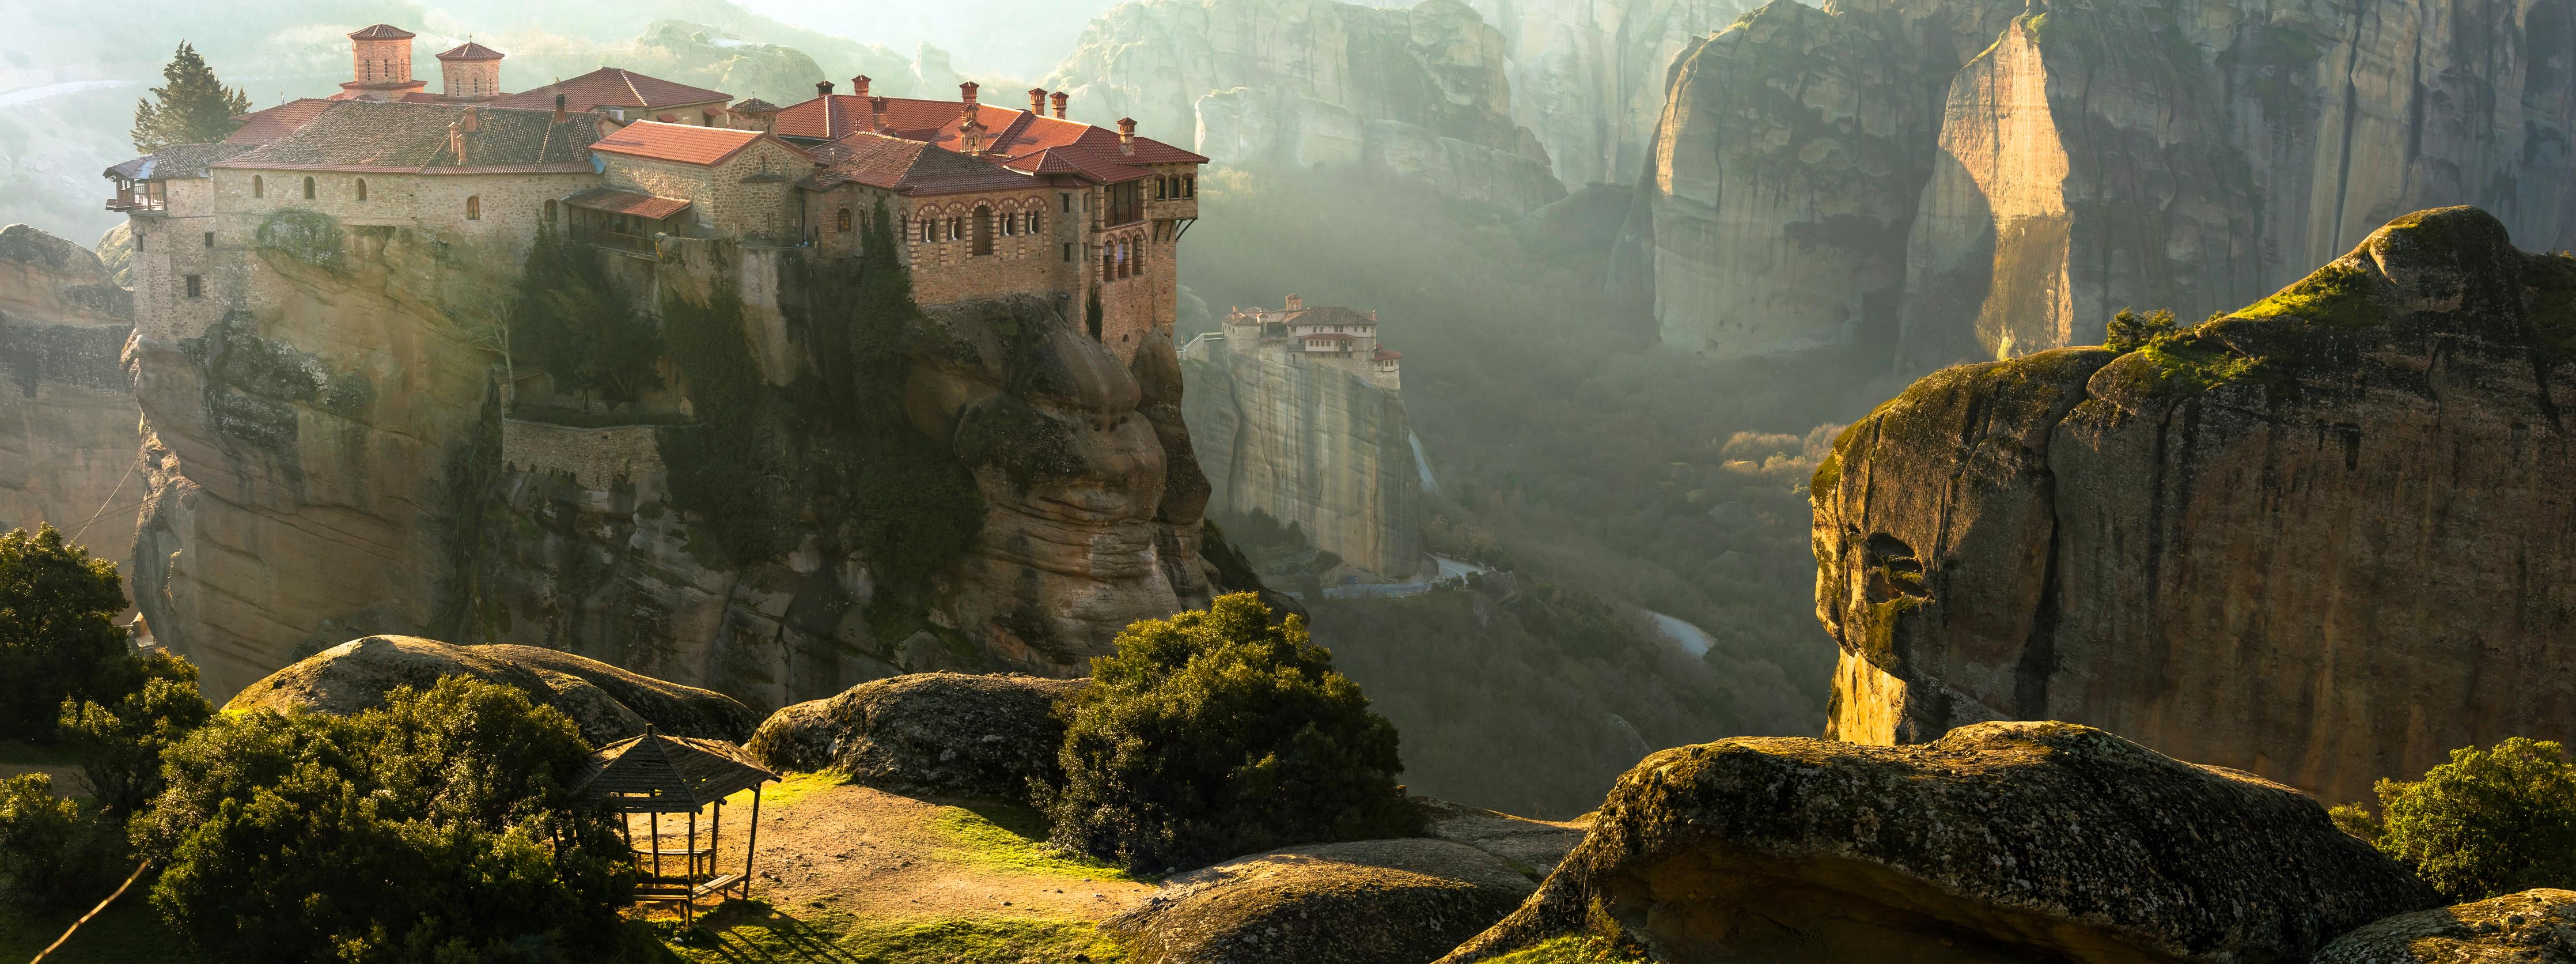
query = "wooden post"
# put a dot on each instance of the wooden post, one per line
(655, 822)
(751, 844)
(715, 840)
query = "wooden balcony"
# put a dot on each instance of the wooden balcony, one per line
(618, 241)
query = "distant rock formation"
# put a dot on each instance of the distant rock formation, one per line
(608, 703)
(67, 411)
(1588, 78)
(1419, 94)
(946, 734)
(2000, 842)
(2321, 538)
(1958, 180)
(2532, 927)
(1363, 902)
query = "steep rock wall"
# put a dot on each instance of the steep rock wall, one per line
(1310, 443)
(1588, 76)
(2317, 539)
(1419, 92)
(67, 410)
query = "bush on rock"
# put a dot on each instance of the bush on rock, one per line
(2489, 822)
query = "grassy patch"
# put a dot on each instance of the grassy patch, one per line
(2195, 366)
(789, 789)
(2337, 296)
(127, 933)
(1012, 839)
(1575, 949)
(753, 931)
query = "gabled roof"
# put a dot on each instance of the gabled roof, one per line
(1017, 139)
(470, 50)
(263, 126)
(910, 166)
(1388, 354)
(609, 200)
(678, 773)
(755, 107)
(176, 161)
(382, 31)
(682, 143)
(376, 135)
(612, 87)
(1327, 315)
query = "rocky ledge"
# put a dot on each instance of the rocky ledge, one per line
(608, 703)
(939, 733)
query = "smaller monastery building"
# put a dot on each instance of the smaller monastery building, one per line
(1333, 337)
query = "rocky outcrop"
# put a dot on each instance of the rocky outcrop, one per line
(1588, 78)
(608, 703)
(1418, 94)
(1999, 842)
(67, 409)
(1365, 902)
(2532, 927)
(945, 734)
(2057, 163)
(2304, 539)
(1311, 443)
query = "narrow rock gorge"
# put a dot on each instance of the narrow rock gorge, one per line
(1588, 77)
(1418, 93)
(1966, 179)
(2315, 538)
(67, 411)
(1311, 443)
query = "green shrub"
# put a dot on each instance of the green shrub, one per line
(58, 635)
(1215, 733)
(571, 320)
(54, 852)
(120, 744)
(2489, 822)
(437, 827)
(2127, 331)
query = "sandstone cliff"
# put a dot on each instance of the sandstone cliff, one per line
(1588, 77)
(2002, 842)
(1418, 93)
(2054, 166)
(1309, 443)
(2319, 538)
(67, 410)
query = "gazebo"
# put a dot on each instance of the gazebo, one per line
(655, 774)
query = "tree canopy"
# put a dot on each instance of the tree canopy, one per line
(2489, 822)
(58, 632)
(193, 106)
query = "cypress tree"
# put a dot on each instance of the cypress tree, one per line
(194, 108)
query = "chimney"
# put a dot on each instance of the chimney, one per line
(876, 114)
(559, 108)
(456, 140)
(473, 120)
(1126, 135)
(822, 88)
(1037, 101)
(1295, 303)
(1060, 97)
(967, 91)
(1372, 316)
(859, 86)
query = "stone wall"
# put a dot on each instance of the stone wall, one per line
(1307, 440)
(594, 458)
(751, 195)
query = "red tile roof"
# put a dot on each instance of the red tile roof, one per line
(614, 201)
(1388, 354)
(909, 166)
(612, 87)
(471, 51)
(1018, 139)
(683, 143)
(382, 31)
(263, 126)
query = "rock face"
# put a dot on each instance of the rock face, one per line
(2000, 842)
(1588, 78)
(2304, 539)
(2041, 170)
(1416, 93)
(67, 410)
(2532, 927)
(1308, 443)
(608, 703)
(1365, 902)
(946, 734)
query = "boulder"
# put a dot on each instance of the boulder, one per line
(1362, 902)
(1998, 842)
(608, 703)
(2532, 927)
(1533, 847)
(951, 734)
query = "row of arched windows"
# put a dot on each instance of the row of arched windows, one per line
(983, 226)
(1121, 258)
(358, 191)
(1176, 187)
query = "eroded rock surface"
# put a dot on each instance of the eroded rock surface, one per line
(1362, 902)
(67, 412)
(1999, 842)
(946, 734)
(2532, 927)
(608, 703)
(2304, 539)
(1310, 443)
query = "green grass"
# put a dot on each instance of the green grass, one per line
(753, 931)
(127, 933)
(789, 789)
(1573, 949)
(2336, 296)
(1012, 839)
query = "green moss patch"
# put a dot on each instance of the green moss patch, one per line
(790, 789)
(1012, 839)
(305, 235)
(2340, 295)
(754, 931)
(1575, 949)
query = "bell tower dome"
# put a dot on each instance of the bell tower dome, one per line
(471, 72)
(380, 65)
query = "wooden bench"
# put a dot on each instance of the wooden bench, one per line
(715, 885)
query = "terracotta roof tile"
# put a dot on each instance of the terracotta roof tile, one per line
(1388, 354)
(1020, 139)
(909, 166)
(613, 201)
(177, 161)
(1328, 315)
(382, 31)
(755, 106)
(374, 134)
(470, 50)
(683, 143)
(612, 87)
(263, 126)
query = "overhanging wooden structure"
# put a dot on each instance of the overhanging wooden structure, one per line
(655, 774)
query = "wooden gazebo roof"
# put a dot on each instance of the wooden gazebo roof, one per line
(654, 773)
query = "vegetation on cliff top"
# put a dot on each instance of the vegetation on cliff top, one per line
(2489, 822)
(571, 320)
(194, 107)
(58, 636)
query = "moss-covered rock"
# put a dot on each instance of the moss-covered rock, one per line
(947, 734)
(1998, 842)
(608, 703)
(2532, 927)
(1364, 902)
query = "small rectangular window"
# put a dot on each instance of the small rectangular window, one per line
(196, 285)
(1068, 202)
(210, 239)
(1068, 251)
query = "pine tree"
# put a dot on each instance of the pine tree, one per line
(195, 107)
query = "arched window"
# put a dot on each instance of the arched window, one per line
(1033, 222)
(257, 187)
(1125, 267)
(550, 211)
(308, 189)
(1108, 262)
(843, 220)
(474, 207)
(956, 228)
(362, 189)
(983, 230)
